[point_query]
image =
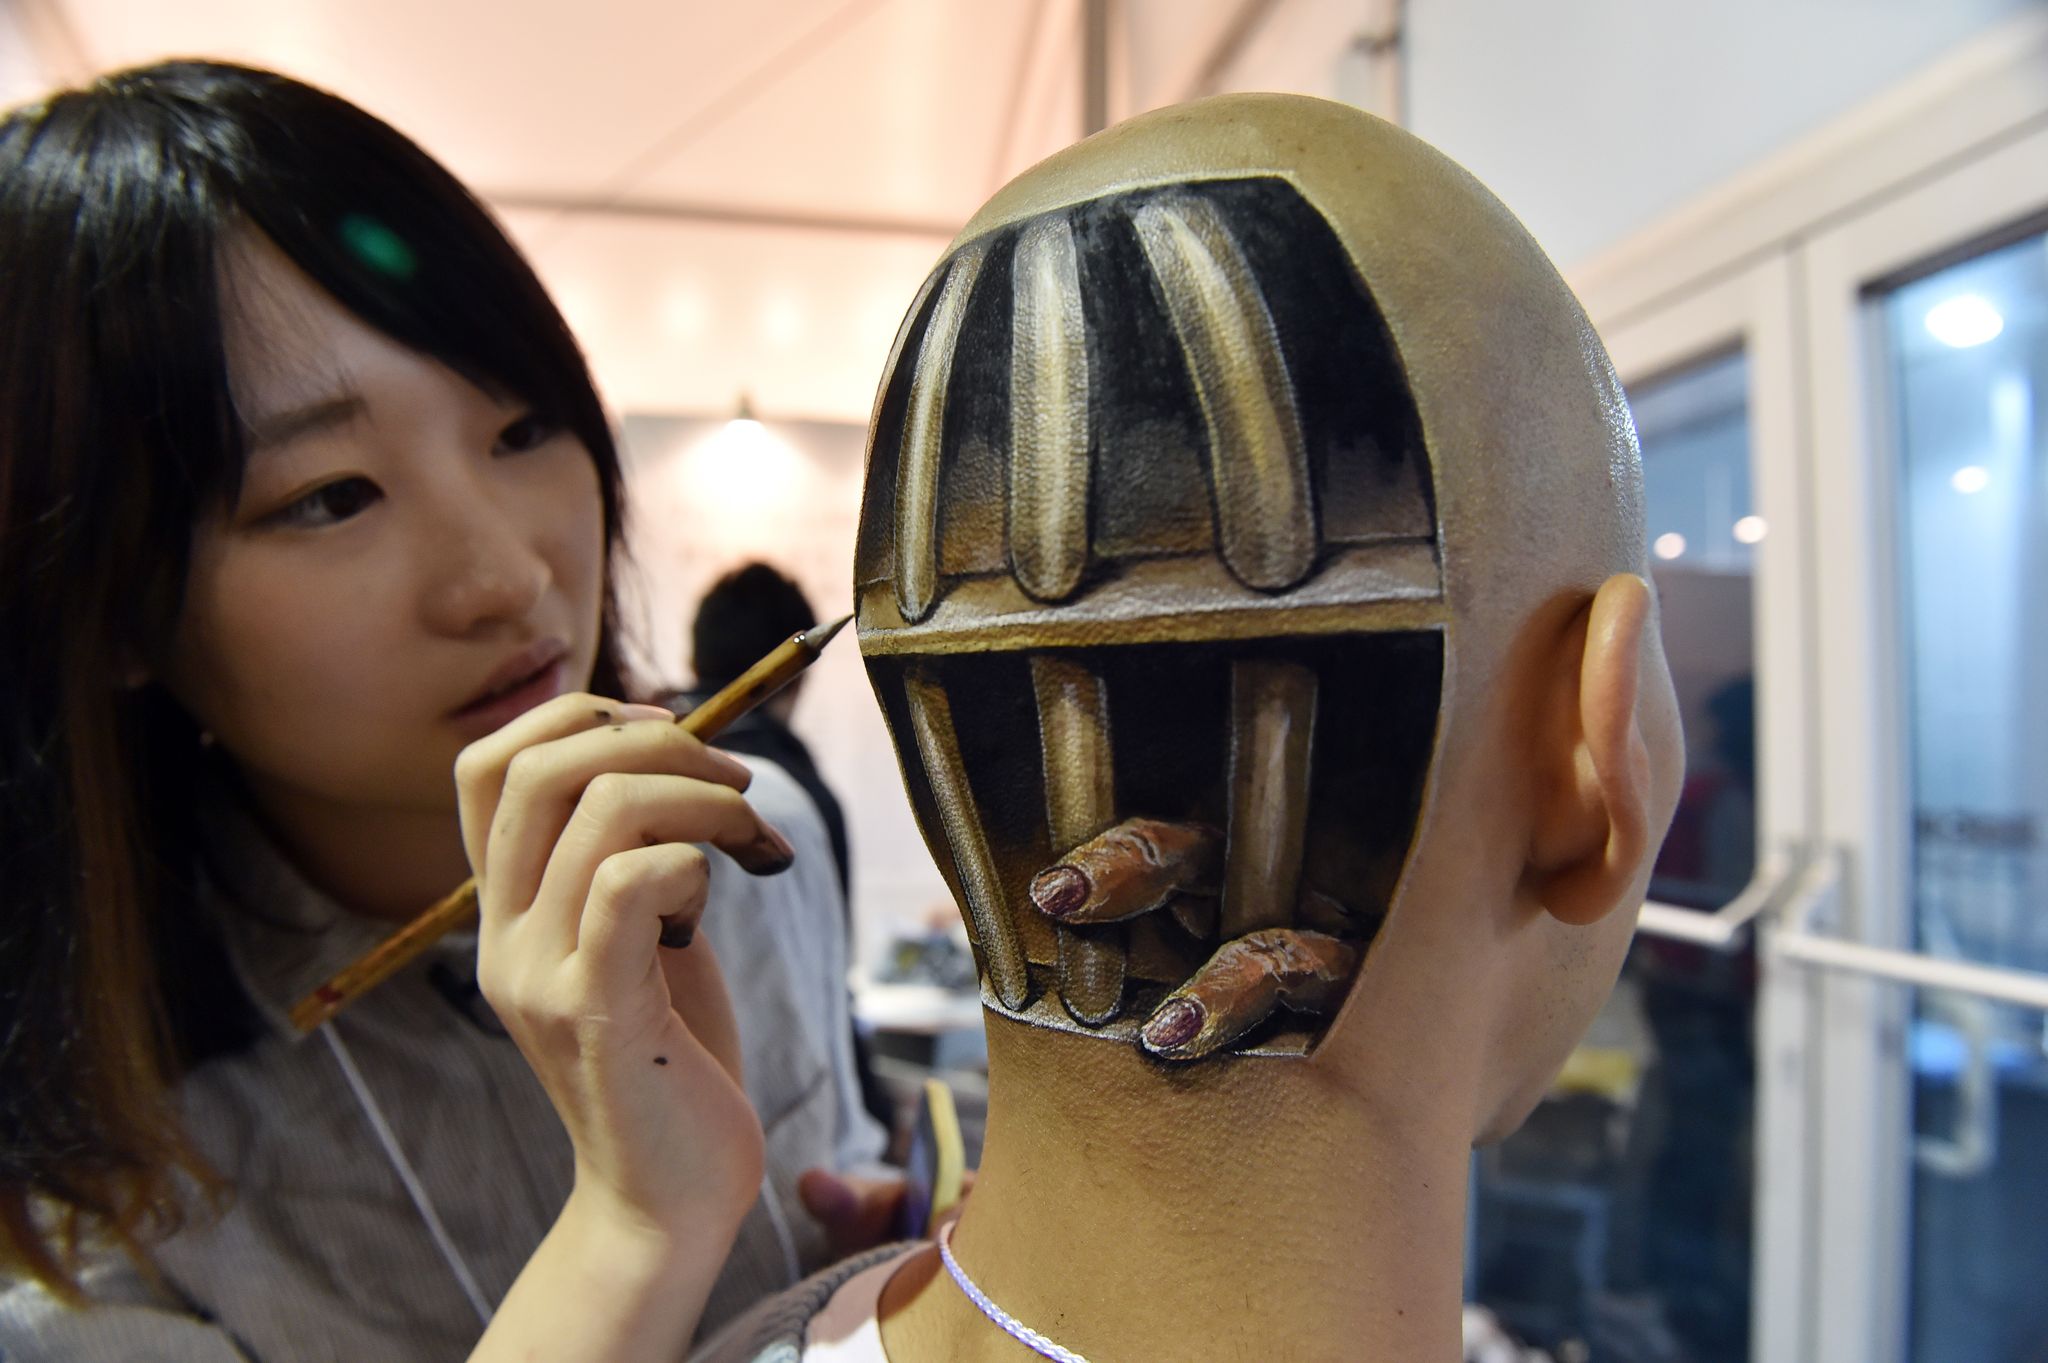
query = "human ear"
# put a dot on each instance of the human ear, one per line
(1594, 790)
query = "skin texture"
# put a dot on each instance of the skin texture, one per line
(379, 570)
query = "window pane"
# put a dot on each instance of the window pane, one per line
(1968, 354)
(1703, 537)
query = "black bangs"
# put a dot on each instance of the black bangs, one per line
(398, 241)
(381, 226)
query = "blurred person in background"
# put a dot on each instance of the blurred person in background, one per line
(305, 492)
(746, 613)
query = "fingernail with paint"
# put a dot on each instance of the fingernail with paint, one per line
(1174, 1025)
(679, 934)
(1059, 890)
(768, 854)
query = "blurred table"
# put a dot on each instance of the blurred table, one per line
(916, 1009)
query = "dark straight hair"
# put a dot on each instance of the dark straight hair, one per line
(117, 433)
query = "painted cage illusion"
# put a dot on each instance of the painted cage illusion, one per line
(1148, 544)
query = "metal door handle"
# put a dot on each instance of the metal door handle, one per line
(1795, 940)
(1973, 1146)
(1722, 929)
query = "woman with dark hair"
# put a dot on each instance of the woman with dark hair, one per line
(304, 491)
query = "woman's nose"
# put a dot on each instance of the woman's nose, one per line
(483, 571)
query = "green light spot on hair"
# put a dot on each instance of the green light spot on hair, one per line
(378, 247)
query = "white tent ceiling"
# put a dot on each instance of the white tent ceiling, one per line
(732, 196)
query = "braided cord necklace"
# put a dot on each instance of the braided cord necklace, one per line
(1009, 1324)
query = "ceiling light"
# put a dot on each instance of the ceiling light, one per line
(1964, 321)
(1970, 478)
(1751, 529)
(1669, 545)
(685, 313)
(743, 422)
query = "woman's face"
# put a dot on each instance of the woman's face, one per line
(411, 563)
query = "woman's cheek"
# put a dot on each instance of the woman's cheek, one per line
(276, 652)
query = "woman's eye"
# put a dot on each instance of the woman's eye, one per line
(528, 432)
(330, 503)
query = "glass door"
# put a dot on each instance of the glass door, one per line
(1618, 1223)
(1967, 350)
(1929, 318)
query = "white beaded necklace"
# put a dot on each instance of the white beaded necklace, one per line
(1010, 1325)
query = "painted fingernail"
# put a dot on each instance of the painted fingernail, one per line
(1174, 1025)
(1059, 890)
(768, 854)
(679, 934)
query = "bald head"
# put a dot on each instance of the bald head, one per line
(1218, 469)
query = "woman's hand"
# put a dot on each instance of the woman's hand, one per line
(579, 818)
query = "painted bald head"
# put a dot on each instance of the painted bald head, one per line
(1213, 471)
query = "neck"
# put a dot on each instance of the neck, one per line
(1249, 1210)
(388, 863)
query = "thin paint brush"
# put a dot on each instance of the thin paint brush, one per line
(781, 667)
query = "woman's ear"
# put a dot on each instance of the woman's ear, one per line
(1594, 790)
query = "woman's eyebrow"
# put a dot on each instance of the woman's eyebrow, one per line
(278, 429)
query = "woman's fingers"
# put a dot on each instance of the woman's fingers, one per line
(621, 811)
(480, 769)
(639, 897)
(545, 785)
(696, 991)
(581, 824)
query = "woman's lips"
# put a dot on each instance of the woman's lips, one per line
(485, 716)
(519, 668)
